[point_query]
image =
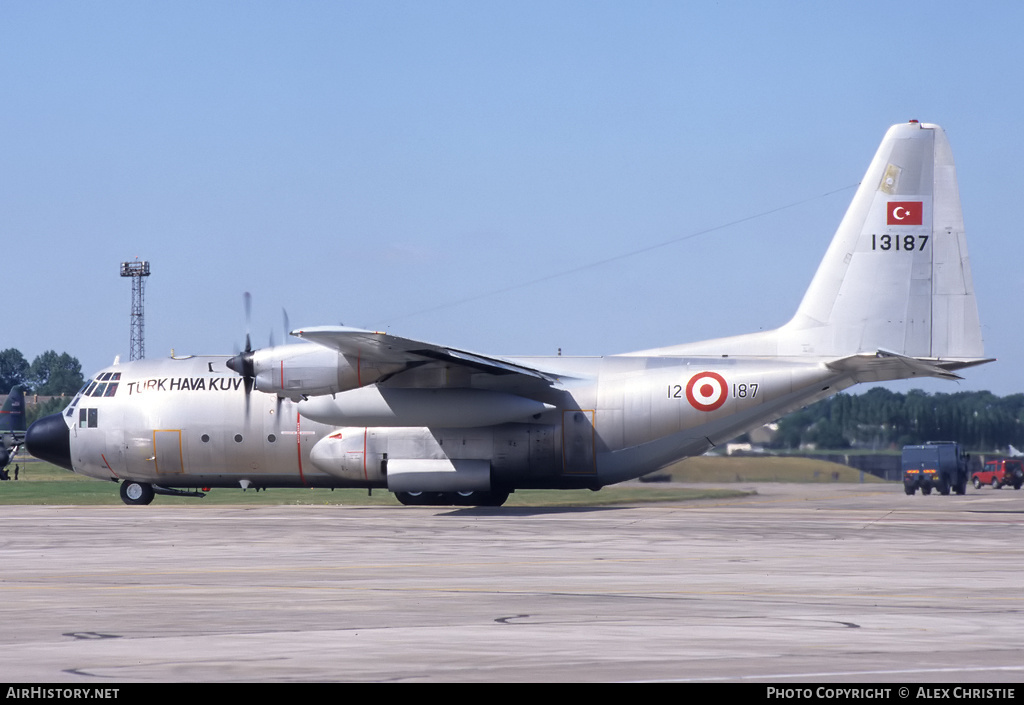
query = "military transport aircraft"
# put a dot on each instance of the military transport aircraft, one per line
(893, 298)
(12, 424)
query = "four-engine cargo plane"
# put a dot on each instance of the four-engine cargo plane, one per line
(893, 298)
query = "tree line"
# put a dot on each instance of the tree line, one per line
(48, 375)
(881, 419)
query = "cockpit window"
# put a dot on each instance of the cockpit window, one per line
(70, 411)
(87, 418)
(105, 385)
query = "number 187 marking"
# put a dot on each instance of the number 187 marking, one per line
(739, 391)
(742, 391)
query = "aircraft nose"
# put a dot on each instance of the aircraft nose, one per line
(49, 439)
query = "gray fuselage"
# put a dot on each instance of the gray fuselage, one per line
(189, 422)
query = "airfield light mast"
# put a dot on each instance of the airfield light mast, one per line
(137, 271)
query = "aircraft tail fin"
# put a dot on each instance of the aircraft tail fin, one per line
(896, 281)
(896, 276)
(12, 415)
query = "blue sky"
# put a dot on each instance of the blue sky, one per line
(449, 170)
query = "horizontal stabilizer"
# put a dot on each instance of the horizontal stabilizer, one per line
(883, 364)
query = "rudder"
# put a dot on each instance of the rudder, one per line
(12, 416)
(896, 276)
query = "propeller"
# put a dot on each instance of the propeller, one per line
(287, 330)
(242, 362)
(280, 399)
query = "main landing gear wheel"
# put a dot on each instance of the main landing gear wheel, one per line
(416, 499)
(452, 499)
(136, 492)
(490, 499)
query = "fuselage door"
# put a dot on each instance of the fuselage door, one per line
(167, 452)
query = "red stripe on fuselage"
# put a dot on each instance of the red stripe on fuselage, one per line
(298, 445)
(108, 465)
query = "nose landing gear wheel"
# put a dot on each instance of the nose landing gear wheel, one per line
(136, 492)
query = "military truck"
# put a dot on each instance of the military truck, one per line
(940, 465)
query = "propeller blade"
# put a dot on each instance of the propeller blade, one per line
(247, 302)
(242, 363)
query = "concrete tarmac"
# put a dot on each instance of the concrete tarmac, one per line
(798, 584)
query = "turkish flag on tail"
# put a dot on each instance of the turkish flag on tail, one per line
(904, 213)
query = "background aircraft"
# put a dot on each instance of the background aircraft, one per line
(892, 298)
(12, 425)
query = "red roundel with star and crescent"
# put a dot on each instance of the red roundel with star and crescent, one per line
(706, 391)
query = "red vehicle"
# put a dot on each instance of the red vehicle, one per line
(999, 473)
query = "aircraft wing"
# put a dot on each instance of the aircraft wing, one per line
(386, 348)
(10, 439)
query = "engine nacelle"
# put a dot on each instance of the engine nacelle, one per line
(440, 408)
(295, 371)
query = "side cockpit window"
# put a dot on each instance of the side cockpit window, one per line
(88, 418)
(70, 411)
